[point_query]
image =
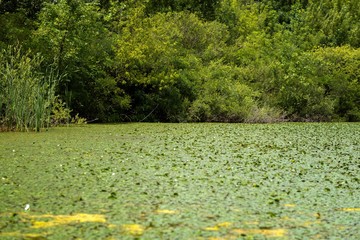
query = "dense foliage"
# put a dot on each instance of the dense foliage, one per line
(204, 60)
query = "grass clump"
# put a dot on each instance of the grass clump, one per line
(26, 93)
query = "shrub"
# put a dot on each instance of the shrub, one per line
(222, 97)
(265, 114)
(61, 115)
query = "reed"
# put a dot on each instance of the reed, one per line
(26, 94)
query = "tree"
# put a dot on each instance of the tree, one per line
(72, 33)
(241, 17)
(29, 7)
(205, 9)
(158, 58)
(222, 96)
(340, 71)
(339, 21)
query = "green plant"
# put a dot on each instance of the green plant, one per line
(26, 95)
(78, 120)
(222, 97)
(265, 114)
(60, 114)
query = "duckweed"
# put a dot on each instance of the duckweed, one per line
(182, 181)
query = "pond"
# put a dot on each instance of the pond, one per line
(182, 181)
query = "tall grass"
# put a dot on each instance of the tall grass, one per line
(26, 94)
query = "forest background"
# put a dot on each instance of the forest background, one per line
(178, 61)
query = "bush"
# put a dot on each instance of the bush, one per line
(157, 63)
(222, 97)
(61, 115)
(340, 72)
(265, 114)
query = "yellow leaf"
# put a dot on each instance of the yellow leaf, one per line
(286, 218)
(215, 228)
(165, 211)
(218, 226)
(221, 238)
(23, 235)
(224, 224)
(252, 223)
(309, 223)
(133, 229)
(350, 209)
(289, 205)
(266, 232)
(66, 219)
(112, 226)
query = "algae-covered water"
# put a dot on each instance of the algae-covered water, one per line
(182, 181)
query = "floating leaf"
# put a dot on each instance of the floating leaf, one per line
(350, 209)
(206, 179)
(220, 238)
(56, 220)
(266, 232)
(24, 235)
(289, 205)
(166, 211)
(219, 226)
(133, 229)
(224, 224)
(252, 223)
(214, 228)
(112, 195)
(309, 223)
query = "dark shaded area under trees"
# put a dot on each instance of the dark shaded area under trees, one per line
(203, 60)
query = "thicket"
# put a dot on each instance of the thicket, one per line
(204, 60)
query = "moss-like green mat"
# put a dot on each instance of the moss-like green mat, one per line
(182, 181)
